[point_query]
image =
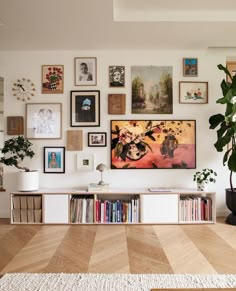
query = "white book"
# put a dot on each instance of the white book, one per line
(84, 206)
(102, 212)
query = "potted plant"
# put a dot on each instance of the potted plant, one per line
(203, 178)
(15, 150)
(226, 135)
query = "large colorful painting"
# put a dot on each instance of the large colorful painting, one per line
(152, 89)
(153, 144)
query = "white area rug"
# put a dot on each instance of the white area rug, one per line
(111, 282)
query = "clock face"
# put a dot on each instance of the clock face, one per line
(23, 89)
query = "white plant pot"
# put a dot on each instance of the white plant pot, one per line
(28, 181)
(201, 186)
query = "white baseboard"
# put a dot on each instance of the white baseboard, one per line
(4, 214)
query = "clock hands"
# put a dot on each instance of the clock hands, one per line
(21, 86)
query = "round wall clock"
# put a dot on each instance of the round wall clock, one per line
(23, 89)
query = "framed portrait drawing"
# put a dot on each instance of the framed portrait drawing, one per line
(85, 162)
(97, 139)
(74, 140)
(52, 79)
(231, 66)
(116, 103)
(85, 108)
(193, 92)
(43, 120)
(116, 76)
(153, 144)
(190, 67)
(15, 125)
(85, 71)
(54, 160)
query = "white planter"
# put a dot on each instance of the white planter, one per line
(202, 186)
(28, 181)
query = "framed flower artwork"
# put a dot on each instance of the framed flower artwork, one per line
(52, 79)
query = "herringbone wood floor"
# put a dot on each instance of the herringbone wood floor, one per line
(202, 249)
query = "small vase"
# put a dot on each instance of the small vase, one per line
(201, 186)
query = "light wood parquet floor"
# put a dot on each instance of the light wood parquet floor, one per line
(196, 249)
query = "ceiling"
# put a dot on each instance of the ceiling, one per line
(117, 24)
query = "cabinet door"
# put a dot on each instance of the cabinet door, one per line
(160, 208)
(56, 209)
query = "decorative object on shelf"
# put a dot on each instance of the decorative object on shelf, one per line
(204, 177)
(15, 125)
(152, 89)
(97, 139)
(193, 92)
(85, 71)
(85, 108)
(74, 140)
(85, 162)
(54, 160)
(52, 79)
(153, 144)
(225, 124)
(15, 150)
(116, 103)
(23, 89)
(117, 76)
(101, 168)
(190, 67)
(43, 120)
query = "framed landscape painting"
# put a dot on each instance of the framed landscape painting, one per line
(193, 92)
(153, 144)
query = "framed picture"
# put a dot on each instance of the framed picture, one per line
(54, 160)
(74, 140)
(43, 120)
(231, 66)
(190, 67)
(117, 76)
(85, 108)
(85, 162)
(52, 79)
(193, 92)
(149, 95)
(153, 144)
(15, 125)
(97, 139)
(85, 71)
(116, 103)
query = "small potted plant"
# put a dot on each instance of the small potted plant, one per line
(15, 150)
(204, 177)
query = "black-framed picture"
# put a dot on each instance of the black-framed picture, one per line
(54, 160)
(85, 71)
(85, 108)
(190, 67)
(97, 139)
(117, 76)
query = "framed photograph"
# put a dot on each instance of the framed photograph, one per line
(85, 108)
(54, 160)
(43, 120)
(231, 66)
(52, 79)
(117, 76)
(153, 144)
(149, 95)
(116, 103)
(74, 140)
(193, 92)
(15, 125)
(85, 162)
(97, 139)
(85, 71)
(190, 67)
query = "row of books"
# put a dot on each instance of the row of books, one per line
(27, 215)
(82, 209)
(194, 208)
(27, 202)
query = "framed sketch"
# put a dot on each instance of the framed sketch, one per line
(152, 89)
(85, 162)
(15, 125)
(74, 140)
(85, 71)
(117, 76)
(85, 108)
(190, 67)
(43, 120)
(97, 139)
(52, 79)
(116, 103)
(54, 160)
(231, 66)
(153, 144)
(193, 92)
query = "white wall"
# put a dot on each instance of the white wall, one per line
(28, 64)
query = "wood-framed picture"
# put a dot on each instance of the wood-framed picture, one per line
(97, 139)
(15, 125)
(190, 67)
(193, 92)
(85, 108)
(74, 140)
(52, 79)
(54, 160)
(85, 71)
(43, 120)
(85, 161)
(116, 103)
(153, 144)
(117, 76)
(231, 67)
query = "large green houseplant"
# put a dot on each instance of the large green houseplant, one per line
(226, 135)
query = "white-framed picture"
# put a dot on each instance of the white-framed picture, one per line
(85, 162)
(85, 71)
